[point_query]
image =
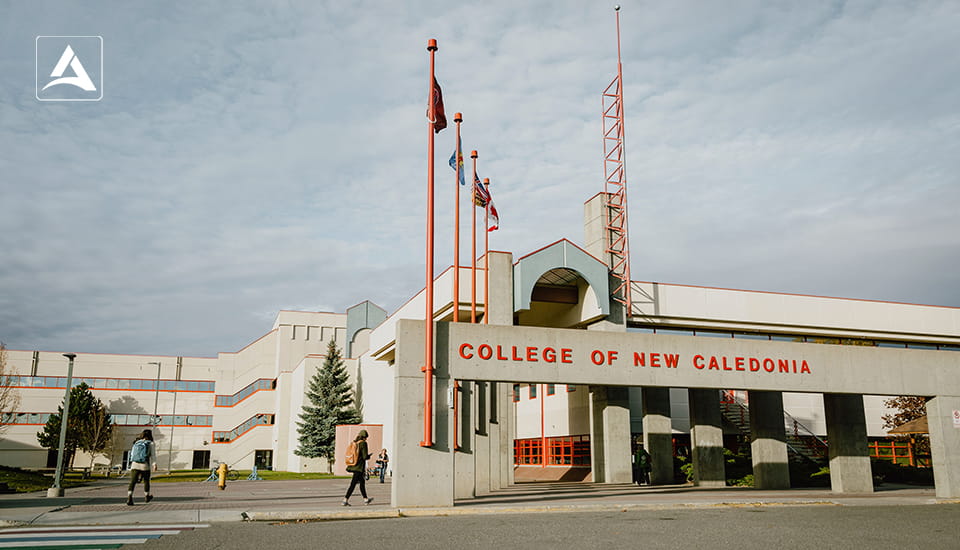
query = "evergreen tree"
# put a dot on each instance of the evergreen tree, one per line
(330, 403)
(88, 425)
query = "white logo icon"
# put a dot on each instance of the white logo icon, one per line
(81, 80)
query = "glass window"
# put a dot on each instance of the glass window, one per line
(571, 387)
(750, 336)
(193, 386)
(533, 391)
(713, 333)
(891, 345)
(134, 384)
(112, 383)
(917, 345)
(551, 389)
(949, 347)
(646, 330)
(674, 331)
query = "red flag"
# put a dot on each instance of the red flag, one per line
(494, 216)
(438, 118)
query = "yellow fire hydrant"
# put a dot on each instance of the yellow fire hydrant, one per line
(222, 470)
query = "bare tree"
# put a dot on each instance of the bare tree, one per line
(9, 396)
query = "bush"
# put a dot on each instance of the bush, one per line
(885, 471)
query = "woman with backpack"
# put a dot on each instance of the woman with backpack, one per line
(356, 461)
(142, 455)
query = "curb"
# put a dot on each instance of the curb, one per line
(477, 511)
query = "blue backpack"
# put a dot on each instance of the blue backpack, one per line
(140, 451)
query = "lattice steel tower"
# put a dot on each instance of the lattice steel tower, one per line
(615, 186)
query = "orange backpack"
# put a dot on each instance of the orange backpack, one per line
(350, 459)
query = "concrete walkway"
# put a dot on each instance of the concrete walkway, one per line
(103, 503)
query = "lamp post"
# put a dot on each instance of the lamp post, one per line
(57, 490)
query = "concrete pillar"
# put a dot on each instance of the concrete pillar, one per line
(502, 428)
(850, 470)
(658, 434)
(944, 422)
(507, 426)
(706, 438)
(464, 467)
(481, 439)
(610, 437)
(422, 476)
(768, 440)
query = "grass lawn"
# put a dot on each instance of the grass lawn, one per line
(23, 481)
(200, 475)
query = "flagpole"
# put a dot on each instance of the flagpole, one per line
(473, 239)
(458, 118)
(486, 255)
(428, 288)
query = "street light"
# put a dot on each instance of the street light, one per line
(57, 490)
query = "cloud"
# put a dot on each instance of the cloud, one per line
(273, 156)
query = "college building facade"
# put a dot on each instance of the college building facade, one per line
(556, 380)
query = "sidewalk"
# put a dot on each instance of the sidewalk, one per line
(104, 503)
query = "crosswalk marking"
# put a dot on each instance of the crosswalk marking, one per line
(87, 537)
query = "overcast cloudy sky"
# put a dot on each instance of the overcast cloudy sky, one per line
(252, 157)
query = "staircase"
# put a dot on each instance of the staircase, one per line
(802, 444)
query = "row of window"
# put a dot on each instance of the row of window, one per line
(162, 420)
(256, 385)
(118, 419)
(795, 338)
(109, 383)
(252, 422)
(569, 450)
(551, 390)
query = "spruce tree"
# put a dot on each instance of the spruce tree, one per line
(88, 425)
(330, 403)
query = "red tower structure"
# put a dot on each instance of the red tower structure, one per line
(615, 186)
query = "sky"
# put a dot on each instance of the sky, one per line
(251, 157)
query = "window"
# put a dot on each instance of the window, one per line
(533, 391)
(551, 389)
(516, 393)
(571, 387)
(263, 459)
(201, 460)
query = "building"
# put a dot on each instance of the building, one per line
(576, 417)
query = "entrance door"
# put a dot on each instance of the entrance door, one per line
(201, 460)
(263, 459)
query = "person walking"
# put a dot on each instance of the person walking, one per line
(642, 458)
(358, 468)
(142, 455)
(382, 461)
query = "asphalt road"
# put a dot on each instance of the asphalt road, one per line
(818, 527)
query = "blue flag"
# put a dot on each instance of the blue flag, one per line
(456, 160)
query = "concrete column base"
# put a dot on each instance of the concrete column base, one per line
(945, 444)
(850, 470)
(658, 434)
(768, 445)
(706, 438)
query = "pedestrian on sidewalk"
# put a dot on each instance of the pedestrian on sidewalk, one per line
(382, 461)
(642, 459)
(357, 465)
(142, 455)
